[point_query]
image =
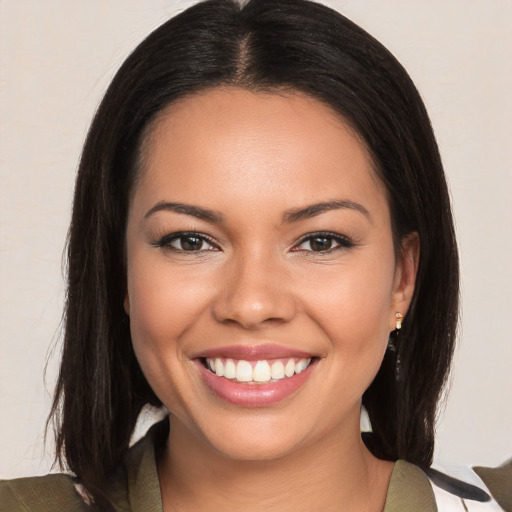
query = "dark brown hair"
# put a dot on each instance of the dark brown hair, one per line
(295, 45)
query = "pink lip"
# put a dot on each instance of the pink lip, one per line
(254, 395)
(254, 352)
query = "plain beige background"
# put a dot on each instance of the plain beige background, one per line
(56, 59)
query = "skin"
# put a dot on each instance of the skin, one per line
(253, 157)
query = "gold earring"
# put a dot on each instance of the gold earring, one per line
(399, 318)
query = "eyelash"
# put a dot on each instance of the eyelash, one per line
(342, 241)
(166, 241)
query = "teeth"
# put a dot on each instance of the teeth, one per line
(289, 369)
(261, 372)
(301, 365)
(243, 371)
(219, 368)
(277, 370)
(229, 369)
(256, 371)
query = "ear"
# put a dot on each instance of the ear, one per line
(126, 304)
(405, 276)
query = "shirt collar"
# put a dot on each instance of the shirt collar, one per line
(409, 488)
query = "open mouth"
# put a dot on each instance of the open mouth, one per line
(255, 376)
(256, 372)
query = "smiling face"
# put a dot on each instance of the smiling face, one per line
(262, 278)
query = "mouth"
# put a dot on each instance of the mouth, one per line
(255, 377)
(256, 372)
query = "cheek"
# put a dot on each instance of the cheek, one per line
(163, 300)
(150, 307)
(162, 307)
(353, 306)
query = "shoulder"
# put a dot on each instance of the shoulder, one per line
(409, 489)
(58, 493)
(429, 490)
(499, 482)
(52, 493)
(133, 485)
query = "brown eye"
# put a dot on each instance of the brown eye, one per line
(323, 243)
(186, 242)
(320, 243)
(190, 243)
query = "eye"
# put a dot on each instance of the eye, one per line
(186, 242)
(323, 242)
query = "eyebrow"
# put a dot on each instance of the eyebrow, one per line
(290, 216)
(187, 209)
(317, 209)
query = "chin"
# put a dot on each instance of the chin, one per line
(251, 437)
(253, 448)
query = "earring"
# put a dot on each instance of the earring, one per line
(398, 323)
(393, 335)
(392, 343)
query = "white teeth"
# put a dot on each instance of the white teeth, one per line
(219, 368)
(229, 369)
(277, 370)
(243, 371)
(302, 365)
(289, 369)
(256, 371)
(261, 372)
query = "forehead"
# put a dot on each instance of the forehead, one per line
(255, 145)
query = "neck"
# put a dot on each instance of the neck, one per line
(194, 476)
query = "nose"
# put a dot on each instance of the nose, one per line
(255, 292)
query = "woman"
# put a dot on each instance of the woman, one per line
(261, 241)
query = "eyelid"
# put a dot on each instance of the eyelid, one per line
(343, 241)
(164, 242)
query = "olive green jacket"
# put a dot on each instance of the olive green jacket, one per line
(135, 487)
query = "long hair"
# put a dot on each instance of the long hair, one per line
(269, 45)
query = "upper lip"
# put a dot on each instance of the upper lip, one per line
(253, 352)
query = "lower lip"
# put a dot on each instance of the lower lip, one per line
(254, 395)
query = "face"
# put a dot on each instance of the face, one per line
(262, 277)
